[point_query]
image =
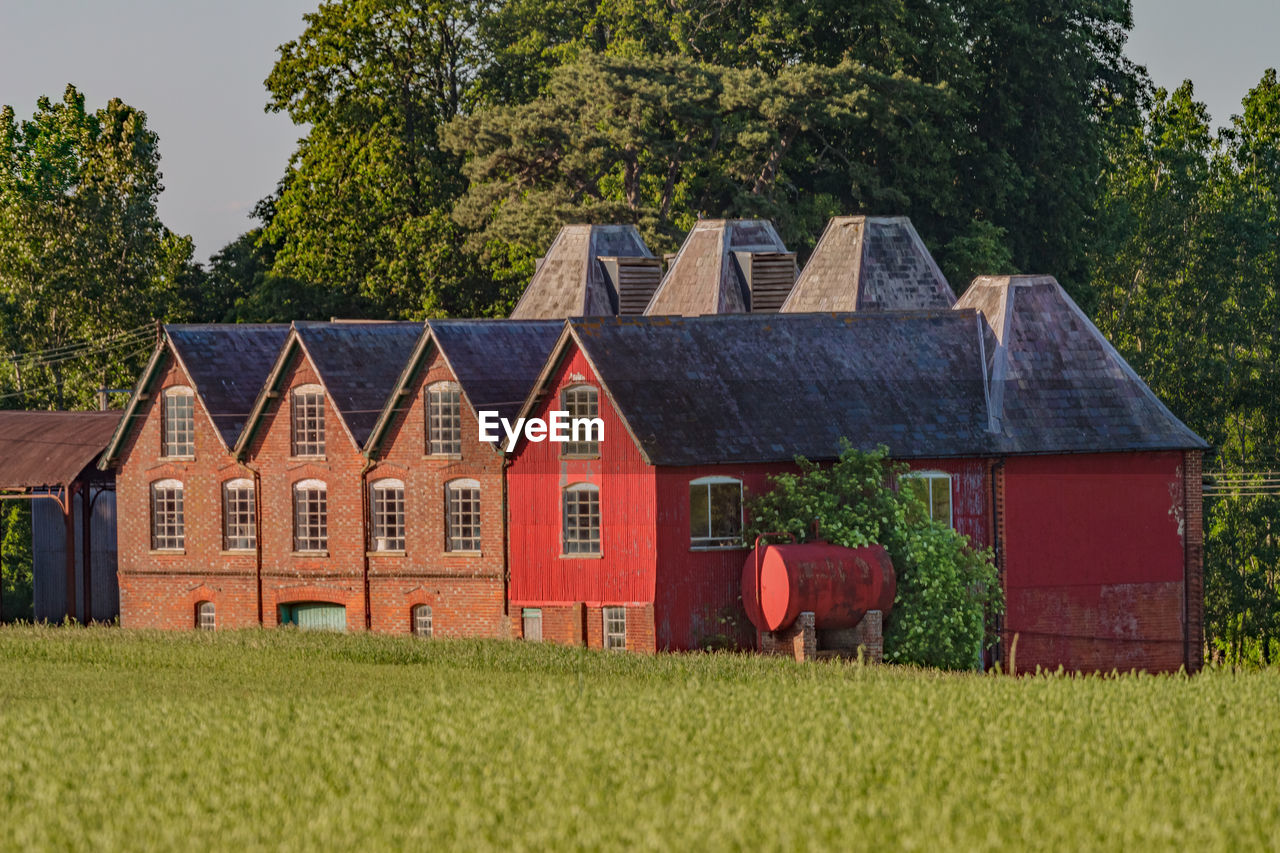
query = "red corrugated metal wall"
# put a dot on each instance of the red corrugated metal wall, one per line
(970, 495)
(1094, 560)
(624, 571)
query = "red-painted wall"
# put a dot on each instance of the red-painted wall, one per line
(624, 572)
(1094, 560)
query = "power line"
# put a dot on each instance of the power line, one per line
(63, 351)
(54, 385)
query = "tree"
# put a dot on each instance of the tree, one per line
(85, 263)
(16, 576)
(947, 590)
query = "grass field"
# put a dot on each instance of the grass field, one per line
(285, 740)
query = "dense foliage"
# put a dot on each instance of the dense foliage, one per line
(250, 740)
(947, 591)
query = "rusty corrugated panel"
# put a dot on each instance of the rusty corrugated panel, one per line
(709, 275)
(51, 448)
(359, 364)
(227, 364)
(1057, 385)
(870, 263)
(571, 280)
(756, 388)
(496, 361)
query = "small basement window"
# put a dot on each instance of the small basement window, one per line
(422, 620)
(307, 406)
(206, 616)
(178, 411)
(444, 418)
(715, 512)
(531, 617)
(168, 519)
(934, 490)
(581, 532)
(615, 628)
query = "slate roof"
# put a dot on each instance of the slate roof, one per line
(704, 277)
(571, 281)
(358, 364)
(496, 363)
(227, 364)
(756, 388)
(870, 263)
(1058, 386)
(51, 448)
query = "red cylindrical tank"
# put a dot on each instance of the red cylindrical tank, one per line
(838, 584)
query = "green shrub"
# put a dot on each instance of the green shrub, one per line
(946, 588)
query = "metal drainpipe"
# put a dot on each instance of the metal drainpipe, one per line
(506, 552)
(364, 538)
(996, 545)
(257, 535)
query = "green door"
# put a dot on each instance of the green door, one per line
(314, 616)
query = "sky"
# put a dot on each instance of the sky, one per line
(196, 68)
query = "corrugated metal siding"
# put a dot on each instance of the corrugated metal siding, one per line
(970, 495)
(624, 572)
(49, 549)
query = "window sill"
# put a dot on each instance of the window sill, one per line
(166, 552)
(399, 553)
(237, 552)
(464, 553)
(191, 458)
(308, 553)
(579, 456)
(719, 547)
(443, 457)
(582, 556)
(321, 458)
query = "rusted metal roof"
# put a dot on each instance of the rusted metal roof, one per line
(51, 448)
(758, 388)
(358, 365)
(572, 280)
(870, 263)
(1058, 386)
(707, 275)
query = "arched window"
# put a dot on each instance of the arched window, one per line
(386, 498)
(934, 490)
(462, 508)
(206, 616)
(168, 519)
(581, 529)
(310, 516)
(444, 418)
(715, 512)
(582, 403)
(178, 413)
(307, 420)
(239, 516)
(422, 620)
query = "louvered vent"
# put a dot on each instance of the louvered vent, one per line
(770, 277)
(634, 281)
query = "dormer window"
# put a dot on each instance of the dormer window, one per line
(444, 419)
(178, 411)
(307, 407)
(582, 403)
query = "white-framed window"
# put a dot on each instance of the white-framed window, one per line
(615, 628)
(168, 519)
(581, 401)
(422, 620)
(307, 424)
(531, 619)
(310, 516)
(715, 512)
(581, 529)
(462, 509)
(239, 516)
(934, 489)
(444, 418)
(206, 616)
(387, 510)
(178, 414)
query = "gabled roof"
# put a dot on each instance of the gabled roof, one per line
(358, 364)
(1058, 385)
(51, 448)
(705, 277)
(870, 263)
(226, 363)
(571, 280)
(495, 362)
(759, 388)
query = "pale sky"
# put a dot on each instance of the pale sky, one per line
(196, 67)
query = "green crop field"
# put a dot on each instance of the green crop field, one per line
(280, 739)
